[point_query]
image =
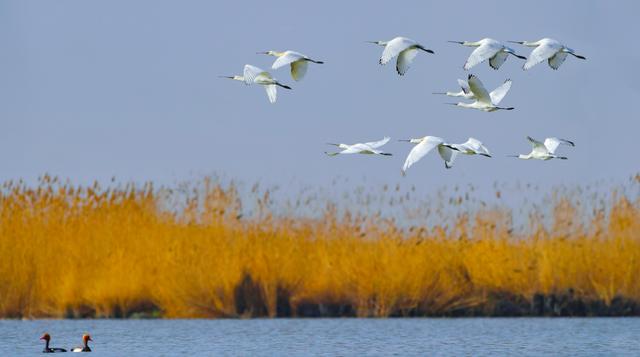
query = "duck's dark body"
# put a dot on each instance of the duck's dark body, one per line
(46, 337)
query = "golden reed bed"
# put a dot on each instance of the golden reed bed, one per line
(70, 251)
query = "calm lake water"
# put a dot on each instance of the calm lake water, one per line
(333, 337)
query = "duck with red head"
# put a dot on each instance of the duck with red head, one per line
(47, 338)
(85, 344)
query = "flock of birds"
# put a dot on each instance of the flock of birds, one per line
(48, 349)
(405, 50)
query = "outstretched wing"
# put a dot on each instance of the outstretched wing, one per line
(464, 85)
(557, 60)
(478, 90)
(393, 49)
(539, 54)
(379, 143)
(499, 93)
(477, 147)
(251, 72)
(298, 69)
(404, 60)
(481, 54)
(286, 59)
(420, 151)
(537, 146)
(496, 61)
(448, 155)
(272, 92)
(552, 144)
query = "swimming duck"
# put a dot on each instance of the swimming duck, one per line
(85, 341)
(46, 337)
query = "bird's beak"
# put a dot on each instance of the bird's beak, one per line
(262, 53)
(521, 57)
(458, 42)
(90, 339)
(333, 144)
(374, 42)
(518, 42)
(511, 155)
(230, 77)
(456, 104)
(451, 147)
(405, 140)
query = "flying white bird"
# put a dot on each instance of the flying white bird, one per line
(547, 49)
(487, 49)
(361, 148)
(448, 152)
(471, 147)
(466, 93)
(297, 61)
(404, 48)
(546, 150)
(253, 74)
(484, 100)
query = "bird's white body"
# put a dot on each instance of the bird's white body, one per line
(296, 60)
(404, 48)
(487, 49)
(548, 50)
(484, 100)
(369, 148)
(448, 152)
(545, 151)
(255, 75)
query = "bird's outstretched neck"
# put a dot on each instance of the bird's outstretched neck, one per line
(236, 78)
(466, 43)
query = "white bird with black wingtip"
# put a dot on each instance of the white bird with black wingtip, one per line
(485, 101)
(544, 150)
(448, 152)
(296, 60)
(549, 50)
(465, 91)
(369, 148)
(404, 48)
(255, 75)
(487, 49)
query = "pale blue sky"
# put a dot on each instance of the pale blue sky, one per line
(95, 89)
